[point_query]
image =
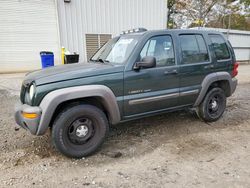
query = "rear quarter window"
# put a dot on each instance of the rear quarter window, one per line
(220, 47)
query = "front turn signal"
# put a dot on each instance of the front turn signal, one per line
(29, 115)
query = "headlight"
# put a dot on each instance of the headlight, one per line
(32, 91)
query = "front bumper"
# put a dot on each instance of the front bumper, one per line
(30, 124)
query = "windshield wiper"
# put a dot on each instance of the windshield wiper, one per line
(100, 60)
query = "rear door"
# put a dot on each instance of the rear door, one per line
(195, 64)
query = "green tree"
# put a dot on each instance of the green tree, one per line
(232, 21)
(246, 2)
(171, 12)
(199, 13)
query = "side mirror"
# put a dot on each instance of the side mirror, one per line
(147, 62)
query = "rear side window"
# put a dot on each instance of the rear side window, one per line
(193, 49)
(220, 47)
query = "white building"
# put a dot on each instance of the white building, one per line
(82, 26)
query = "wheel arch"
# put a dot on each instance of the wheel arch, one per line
(93, 100)
(218, 79)
(98, 95)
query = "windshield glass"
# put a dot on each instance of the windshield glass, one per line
(116, 50)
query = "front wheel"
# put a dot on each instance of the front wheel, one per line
(80, 130)
(213, 105)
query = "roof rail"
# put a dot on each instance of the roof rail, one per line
(136, 30)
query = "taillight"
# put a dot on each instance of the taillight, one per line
(235, 69)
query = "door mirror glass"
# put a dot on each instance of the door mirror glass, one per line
(146, 62)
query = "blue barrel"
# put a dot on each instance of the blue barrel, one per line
(47, 59)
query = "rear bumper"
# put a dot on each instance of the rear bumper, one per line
(233, 85)
(30, 124)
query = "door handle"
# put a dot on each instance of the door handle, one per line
(171, 72)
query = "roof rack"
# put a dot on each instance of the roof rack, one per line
(136, 30)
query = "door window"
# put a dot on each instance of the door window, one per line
(193, 49)
(160, 47)
(220, 47)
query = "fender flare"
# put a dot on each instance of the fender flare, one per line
(51, 101)
(211, 78)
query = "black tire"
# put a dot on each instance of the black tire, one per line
(80, 130)
(212, 106)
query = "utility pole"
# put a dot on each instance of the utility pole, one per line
(229, 25)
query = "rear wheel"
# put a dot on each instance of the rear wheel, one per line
(213, 105)
(80, 130)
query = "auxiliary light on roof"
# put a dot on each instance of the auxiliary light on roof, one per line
(136, 30)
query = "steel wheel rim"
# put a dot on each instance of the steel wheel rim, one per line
(214, 107)
(81, 130)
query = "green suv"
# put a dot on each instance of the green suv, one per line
(137, 74)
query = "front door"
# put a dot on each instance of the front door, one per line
(152, 89)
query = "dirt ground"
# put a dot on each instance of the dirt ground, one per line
(170, 150)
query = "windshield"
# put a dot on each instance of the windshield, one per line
(116, 50)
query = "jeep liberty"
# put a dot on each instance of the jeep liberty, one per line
(137, 74)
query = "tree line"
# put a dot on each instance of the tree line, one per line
(227, 14)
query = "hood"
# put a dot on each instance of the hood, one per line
(71, 71)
